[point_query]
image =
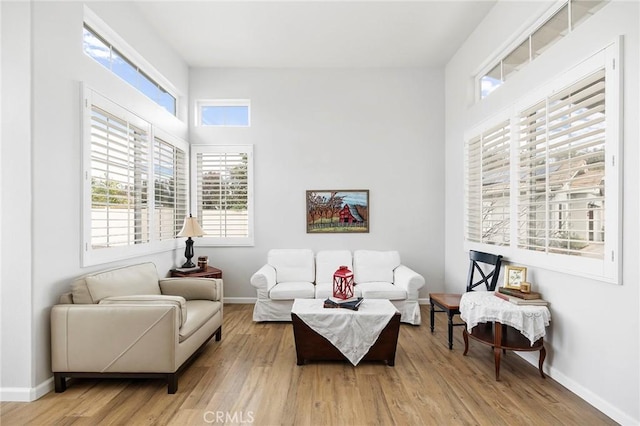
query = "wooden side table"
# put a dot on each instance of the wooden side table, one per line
(503, 325)
(210, 272)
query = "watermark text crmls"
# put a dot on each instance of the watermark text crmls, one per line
(222, 417)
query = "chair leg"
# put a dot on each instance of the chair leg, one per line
(450, 315)
(432, 316)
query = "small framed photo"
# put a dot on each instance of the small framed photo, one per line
(525, 287)
(514, 276)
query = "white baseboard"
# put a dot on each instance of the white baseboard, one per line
(584, 393)
(240, 300)
(26, 394)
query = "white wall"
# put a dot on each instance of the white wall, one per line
(43, 65)
(375, 129)
(15, 225)
(593, 338)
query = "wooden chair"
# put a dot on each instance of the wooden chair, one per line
(450, 303)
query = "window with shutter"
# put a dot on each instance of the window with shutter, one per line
(562, 169)
(119, 180)
(135, 183)
(223, 181)
(553, 199)
(170, 188)
(488, 186)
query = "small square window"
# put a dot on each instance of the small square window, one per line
(233, 113)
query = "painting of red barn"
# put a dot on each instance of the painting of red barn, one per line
(331, 211)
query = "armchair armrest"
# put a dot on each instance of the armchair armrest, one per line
(264, 280)
(409, 280)
(114, 338)
(193, 288)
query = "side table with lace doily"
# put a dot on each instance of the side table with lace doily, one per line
(504, 325)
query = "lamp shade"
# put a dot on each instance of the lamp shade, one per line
(191, 228)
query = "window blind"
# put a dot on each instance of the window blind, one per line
(223, 191)
(561, 171)
(119, 178)
(170, 189)
(488, 186)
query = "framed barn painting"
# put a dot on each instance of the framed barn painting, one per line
(337, 211)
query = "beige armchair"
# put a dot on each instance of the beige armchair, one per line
(128, 323)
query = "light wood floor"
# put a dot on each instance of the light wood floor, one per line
(251, 377)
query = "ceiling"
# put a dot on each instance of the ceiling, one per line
(302, 33)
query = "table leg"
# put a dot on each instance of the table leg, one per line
(497, 347)
(432, 316)
(465, 336)
(543, 355)
(450, 314)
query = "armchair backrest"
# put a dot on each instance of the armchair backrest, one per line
(292, 265)
(328, 262)
(140, 279)
(375, 266)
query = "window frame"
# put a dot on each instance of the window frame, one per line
(94, 256)
(530, 31)
(607, 269)
(108, 36)
(196, 198)
(202, 103)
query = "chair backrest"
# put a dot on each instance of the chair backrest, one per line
(488, 274)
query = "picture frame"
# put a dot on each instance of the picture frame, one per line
(514, 276)
(337, 211)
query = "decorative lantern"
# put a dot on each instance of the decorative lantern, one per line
(343, 283)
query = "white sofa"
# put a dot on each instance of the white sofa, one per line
(296, 274)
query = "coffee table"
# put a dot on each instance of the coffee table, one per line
(369, 334)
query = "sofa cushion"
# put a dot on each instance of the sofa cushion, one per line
(292, 290)
(136, 299)
(200, 311)
(325, 290)
(292, 264)
(374, 266)
(381, 290)
(126, 281)
(328, 262)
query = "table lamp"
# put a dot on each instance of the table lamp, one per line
(190, 228)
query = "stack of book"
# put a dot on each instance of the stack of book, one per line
(517, 297)
(353, 303)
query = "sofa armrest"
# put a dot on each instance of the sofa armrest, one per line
(114, 338)
(151, 299)
(264, 280)
(193, 288)
(409, 280)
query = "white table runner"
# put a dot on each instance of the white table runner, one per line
(351, 332)
(483, 306)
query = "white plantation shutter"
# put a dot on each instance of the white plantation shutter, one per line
(119, 178)
(135, 193)
(488, 186)
(562, 169)
(171, 188)
(223, 186)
